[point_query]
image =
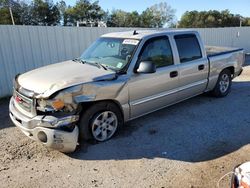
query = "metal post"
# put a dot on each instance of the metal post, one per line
(11, 15)
(241, 21)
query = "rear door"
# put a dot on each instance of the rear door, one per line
(193, 66)
(149, 92)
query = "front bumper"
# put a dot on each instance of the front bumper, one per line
(41, 129)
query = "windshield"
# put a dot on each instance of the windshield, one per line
(113, 53)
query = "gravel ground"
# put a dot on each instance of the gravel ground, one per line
(191, 144)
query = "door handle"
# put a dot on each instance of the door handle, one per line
(173, 74)
(201, 67)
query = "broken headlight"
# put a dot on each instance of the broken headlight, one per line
(57, 104)
(60, 101)
(50, 105)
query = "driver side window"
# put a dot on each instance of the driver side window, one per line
(157, 50)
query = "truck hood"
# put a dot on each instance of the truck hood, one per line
(49, 79)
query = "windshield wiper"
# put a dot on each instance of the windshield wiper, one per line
(79, 60)
(101, 65)
(97, 64)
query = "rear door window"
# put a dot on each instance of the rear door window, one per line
(188, 47)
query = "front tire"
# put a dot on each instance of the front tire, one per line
(223, 85)
(100, 122)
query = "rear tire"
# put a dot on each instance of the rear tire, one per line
(223, 85)
(100, 122)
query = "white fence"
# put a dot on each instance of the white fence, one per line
(23, 48)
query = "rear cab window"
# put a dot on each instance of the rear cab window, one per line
(188, 47)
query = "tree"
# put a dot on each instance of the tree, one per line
(17, 11)
(118, 18)
(44, 13)
(212, 18)
(158, 15)
(38, 12)
(147, 18)
(5, 16)
(133, 19)
(25, 14)
(96, 12)
(61, 6)
(246, 22)
(83, 10)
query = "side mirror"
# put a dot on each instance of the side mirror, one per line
(146, 67)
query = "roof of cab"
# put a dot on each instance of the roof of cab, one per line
(143, 33)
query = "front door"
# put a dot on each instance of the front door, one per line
(149, 92)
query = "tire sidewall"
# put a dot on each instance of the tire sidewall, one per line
(217, 91)
(88, 116)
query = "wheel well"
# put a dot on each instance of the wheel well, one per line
(231, 69)
(86, 105)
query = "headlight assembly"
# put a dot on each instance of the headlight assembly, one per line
(57, 104)
(50, 105)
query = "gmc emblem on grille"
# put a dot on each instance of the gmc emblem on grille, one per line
(18, 99)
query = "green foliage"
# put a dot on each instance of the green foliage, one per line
(155, 16)
(120, 18)
(158, 15)
(45, 12)
(208, 19)
(17, 11)
(38, 12)
(5, 16)
(83, 10)
(246, 22)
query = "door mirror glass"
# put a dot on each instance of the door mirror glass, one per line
(146, 67)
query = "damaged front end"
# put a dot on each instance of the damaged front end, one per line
(51, 121)
(52, 117)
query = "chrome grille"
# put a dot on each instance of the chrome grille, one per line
(25, 103)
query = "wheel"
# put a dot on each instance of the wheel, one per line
(100, 122)
(223, 85)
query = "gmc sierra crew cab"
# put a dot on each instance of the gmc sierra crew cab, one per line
(120, 77)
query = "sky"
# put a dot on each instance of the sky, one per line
(241, 7)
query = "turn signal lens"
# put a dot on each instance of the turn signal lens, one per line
(57, 104)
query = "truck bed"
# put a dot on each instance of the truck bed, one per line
(221, 57)
(216, 50)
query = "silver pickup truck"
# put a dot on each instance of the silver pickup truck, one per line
(120, 77)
